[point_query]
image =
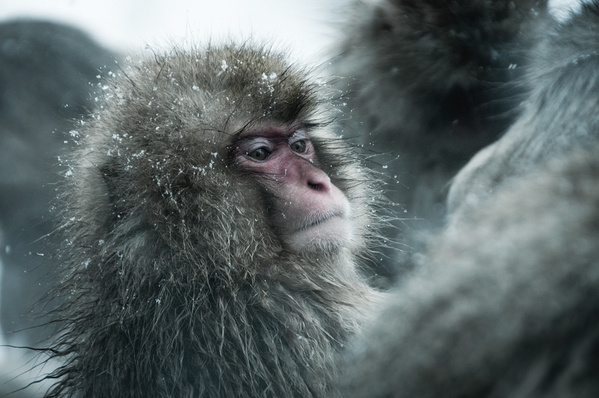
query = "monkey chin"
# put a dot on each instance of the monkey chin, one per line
(326, 236)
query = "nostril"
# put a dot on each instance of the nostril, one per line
(314, 178)
(316, 187)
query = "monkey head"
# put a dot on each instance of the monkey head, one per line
(226, 148)
(213, 224)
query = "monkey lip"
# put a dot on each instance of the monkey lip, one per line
(320, 220)
(322, 232)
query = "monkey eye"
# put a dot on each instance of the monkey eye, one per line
(299, 146)
(259, 154)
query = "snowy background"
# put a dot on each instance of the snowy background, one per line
(126, 25)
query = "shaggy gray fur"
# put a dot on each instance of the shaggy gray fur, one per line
(506, 300)
(560, 115)
(505, 304)
(175, 284)
(429, 83)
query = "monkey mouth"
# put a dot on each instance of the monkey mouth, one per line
(326, 232)
(319, 220)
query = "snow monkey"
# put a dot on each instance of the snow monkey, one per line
(213, 225)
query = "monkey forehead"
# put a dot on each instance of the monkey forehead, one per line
(245, 79)
(271, 130)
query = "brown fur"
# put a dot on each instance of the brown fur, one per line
(176, 284)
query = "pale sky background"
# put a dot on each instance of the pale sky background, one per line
(303, 26)
(128, 25)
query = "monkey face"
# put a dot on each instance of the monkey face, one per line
(307, 210)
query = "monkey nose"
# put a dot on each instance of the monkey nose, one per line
(317, 180)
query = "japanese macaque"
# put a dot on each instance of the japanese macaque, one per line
(505, 300)
(558, 117)
(213, 221)
(428, 84)
(504, 304)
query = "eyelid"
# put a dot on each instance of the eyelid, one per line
(248, 145)
(300, 134)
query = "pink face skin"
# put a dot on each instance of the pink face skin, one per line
(311, 214)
